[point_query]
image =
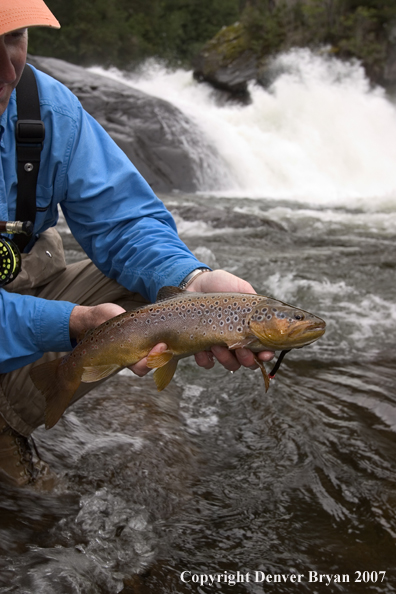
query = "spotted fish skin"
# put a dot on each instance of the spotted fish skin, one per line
(188, 323)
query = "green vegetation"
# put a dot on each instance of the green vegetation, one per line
(360, 29)
(123, 32)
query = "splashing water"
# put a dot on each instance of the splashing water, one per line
(318, 134)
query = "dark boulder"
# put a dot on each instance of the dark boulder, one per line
(227, 63)
(156, 136)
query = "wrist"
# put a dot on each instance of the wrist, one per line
(188, 280)
(78, 321)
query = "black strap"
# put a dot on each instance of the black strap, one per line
(30, 133)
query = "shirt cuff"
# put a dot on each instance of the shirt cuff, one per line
(53, 334)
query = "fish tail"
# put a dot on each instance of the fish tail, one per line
(56, 391)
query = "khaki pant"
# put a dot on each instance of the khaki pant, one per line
(45, 274)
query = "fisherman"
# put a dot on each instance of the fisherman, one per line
(130, 238)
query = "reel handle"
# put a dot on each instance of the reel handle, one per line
(16, 227)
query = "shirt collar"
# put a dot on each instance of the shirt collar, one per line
(7, 115)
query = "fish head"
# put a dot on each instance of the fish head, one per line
(280, 326)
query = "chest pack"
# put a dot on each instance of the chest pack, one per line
(29, 135)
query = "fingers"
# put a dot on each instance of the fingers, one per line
(227, 358)
(266, 355)
(245, 358)
(140, 368)
(231, 360)
(205, 359)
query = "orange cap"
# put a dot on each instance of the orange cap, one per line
(18, 14)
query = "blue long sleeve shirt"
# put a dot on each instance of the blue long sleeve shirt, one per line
(112, 212)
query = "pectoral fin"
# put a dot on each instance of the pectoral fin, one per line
(163, 375)
(264, 372)
(94, 374)
(243, 343)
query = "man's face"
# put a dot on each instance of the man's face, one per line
(13, 50)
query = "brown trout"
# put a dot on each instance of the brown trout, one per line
(188, 323)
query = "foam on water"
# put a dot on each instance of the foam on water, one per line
(366, 221)
(198, 416)
(353, 319)
(318, 134)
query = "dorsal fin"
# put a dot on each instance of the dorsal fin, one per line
(168, 293)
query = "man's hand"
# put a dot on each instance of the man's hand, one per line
(224, 282)
(219, 281)
(84, 318)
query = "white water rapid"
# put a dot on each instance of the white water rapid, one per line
(319, 134)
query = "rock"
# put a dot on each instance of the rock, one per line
(159, 139)
(244, 52)
(227, 63)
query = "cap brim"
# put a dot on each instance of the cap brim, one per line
(21, 14)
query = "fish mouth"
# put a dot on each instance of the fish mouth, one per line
(302, 335)
(307, 333)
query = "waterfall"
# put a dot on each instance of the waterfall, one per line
(319, 133)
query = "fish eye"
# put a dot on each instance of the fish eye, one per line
(298, 316)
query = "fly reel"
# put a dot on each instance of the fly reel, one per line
(10, 260)
(10, 256)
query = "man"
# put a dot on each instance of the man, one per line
(129, 236)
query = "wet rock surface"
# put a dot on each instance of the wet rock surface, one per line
(165, 146)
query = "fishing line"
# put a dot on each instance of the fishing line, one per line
(275, 368)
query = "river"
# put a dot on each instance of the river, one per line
(214, 479)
